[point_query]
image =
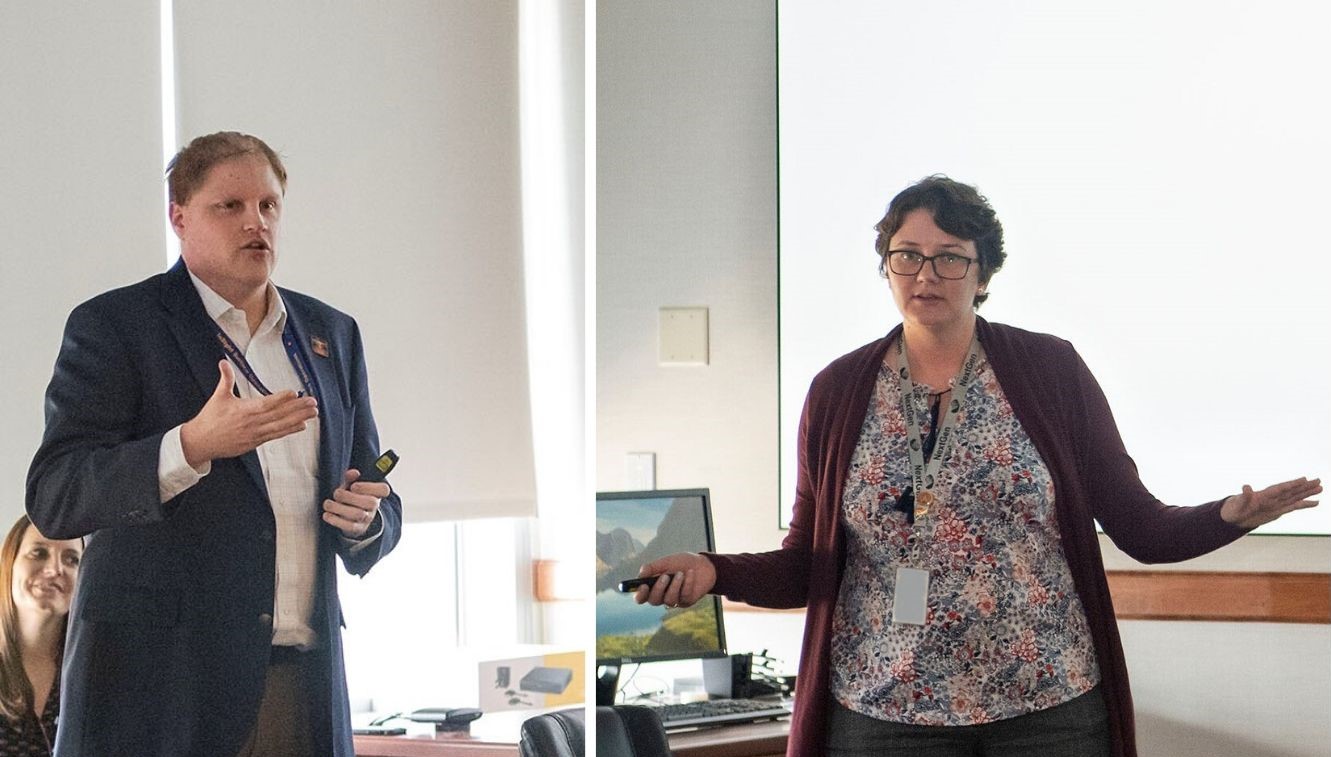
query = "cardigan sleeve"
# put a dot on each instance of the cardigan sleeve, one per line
(1141, 525)
(811, 553)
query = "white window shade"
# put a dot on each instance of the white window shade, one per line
(398, 124)
(81, 200)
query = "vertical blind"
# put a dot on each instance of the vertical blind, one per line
(80, 189)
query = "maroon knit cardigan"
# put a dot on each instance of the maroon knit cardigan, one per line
(1063, 410)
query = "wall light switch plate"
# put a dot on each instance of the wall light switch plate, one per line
(684, 338)
(640, 470)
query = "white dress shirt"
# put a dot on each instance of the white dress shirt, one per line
(290, 467)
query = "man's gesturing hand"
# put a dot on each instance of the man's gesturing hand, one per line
(229, 426)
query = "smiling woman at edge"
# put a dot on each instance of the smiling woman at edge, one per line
(1013, 649)
(40, 574)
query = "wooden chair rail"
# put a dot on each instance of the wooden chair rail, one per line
(1206, 595)
(1198, 595)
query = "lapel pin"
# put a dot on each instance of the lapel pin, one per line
(319, 346)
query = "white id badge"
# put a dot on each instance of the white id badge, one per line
(911, 600)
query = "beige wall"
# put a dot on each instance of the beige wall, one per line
(686, 193)
(686, 215)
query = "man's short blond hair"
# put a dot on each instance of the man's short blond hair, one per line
(189, 168)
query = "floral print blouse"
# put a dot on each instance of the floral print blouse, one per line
(1005, 633)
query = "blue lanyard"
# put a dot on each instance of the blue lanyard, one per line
(297, 357)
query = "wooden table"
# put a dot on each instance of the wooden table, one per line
(443, 745)
(496, 734)
(764, 739)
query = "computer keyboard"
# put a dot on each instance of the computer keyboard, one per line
(718, 712)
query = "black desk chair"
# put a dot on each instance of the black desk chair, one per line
(628, 731)
(554, 734)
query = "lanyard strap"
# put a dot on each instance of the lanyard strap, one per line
(923, 473)
(298, 361)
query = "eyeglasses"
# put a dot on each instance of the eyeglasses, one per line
(947, 265)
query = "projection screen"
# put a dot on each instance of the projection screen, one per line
(1161, 173)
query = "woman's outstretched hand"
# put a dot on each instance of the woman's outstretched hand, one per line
(1253, 508)
(684, 579)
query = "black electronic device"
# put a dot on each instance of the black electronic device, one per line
(632, 529)
(607, 684)
(546, 680)
(446, 718)
(631, 585)
(719, 712)
(378, 469)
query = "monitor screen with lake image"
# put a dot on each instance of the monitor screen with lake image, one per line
(632, 529)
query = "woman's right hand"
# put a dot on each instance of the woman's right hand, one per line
(684, 579)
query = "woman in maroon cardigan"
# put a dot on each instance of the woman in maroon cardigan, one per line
(943, 538)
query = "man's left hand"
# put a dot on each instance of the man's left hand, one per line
(354, 504)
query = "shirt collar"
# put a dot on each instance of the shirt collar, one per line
(217, 307)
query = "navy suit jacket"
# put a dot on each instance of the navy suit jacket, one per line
(170, 630)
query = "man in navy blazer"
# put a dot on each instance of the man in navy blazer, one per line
(202, 431)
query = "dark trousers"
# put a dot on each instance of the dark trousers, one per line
(294, 714)
(1077, 728)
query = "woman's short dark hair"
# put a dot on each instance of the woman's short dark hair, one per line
(959, 209)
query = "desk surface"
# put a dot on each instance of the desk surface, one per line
(494, 735)
(427, 746)
(765, 739)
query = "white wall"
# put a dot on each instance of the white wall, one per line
(686, 192)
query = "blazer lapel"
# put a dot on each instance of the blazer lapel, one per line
(193, 329)
(312, 334)
(196, 334)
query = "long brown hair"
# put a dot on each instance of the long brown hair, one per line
(16, 699)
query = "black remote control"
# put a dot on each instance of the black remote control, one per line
(379, 468)
(633, 583)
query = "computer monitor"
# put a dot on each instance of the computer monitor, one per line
(632, 529)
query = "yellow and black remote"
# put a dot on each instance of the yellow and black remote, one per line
(378, 470)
